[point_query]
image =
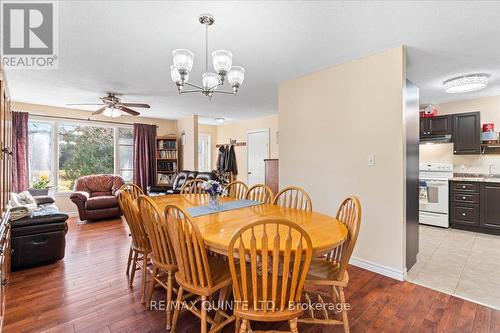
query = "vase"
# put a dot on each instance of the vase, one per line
(213, 202)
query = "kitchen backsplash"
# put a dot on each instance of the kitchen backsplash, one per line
(443, 153)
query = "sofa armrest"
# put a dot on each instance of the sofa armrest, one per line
(80, 198)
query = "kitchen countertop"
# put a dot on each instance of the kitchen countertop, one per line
(482, 179)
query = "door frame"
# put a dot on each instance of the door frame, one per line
(268, 131)
(209, 149)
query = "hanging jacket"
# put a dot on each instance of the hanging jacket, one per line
(221, 159)
(231, 163)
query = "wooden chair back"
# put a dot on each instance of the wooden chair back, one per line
(260, 192)
(189, 249)
(134, 190)
(156, 227)
(277, 254)
(237, 189)
(193, 186)
(348, 213)
(136, 226)
(293, 197)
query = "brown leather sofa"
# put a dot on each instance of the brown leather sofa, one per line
(95, 196)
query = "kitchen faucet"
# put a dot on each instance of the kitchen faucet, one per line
(490, 174)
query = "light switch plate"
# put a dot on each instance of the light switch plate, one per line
(371, 160)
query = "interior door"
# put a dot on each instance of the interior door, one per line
(258, 151)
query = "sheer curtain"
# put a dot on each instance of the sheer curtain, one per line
(144, 155)
(20, 151)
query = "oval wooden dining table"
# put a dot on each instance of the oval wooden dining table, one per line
(217, 229)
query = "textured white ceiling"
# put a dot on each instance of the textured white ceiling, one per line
(125, 46)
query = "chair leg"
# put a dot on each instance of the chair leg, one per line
(129, 260)
(134, 267)
(169, 299)
(152, 284)
(144, 276)
(244, 326)
(237, 324)
(345, 320)
(293, 325)
(223, 295)
(177, 309)
(203, 315)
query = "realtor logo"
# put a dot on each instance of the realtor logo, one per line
(29, 35)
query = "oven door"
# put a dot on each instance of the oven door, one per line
(437, 196)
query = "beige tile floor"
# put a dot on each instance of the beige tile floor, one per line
(462, 263)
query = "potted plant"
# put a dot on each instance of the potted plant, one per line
(214, 189)
(40, 186)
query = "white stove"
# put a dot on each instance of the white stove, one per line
(433, 198)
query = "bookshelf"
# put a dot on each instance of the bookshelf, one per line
(166, 159)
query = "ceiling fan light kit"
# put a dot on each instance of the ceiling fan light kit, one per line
(222, 61)
(113, 107)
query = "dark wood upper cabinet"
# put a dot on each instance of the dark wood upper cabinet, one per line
(433, 126)
(490, 208)
(467, 133)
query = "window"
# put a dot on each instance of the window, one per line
(40, 150)
(204, 152)
(83, 150)
(66, 151)
(126, 153)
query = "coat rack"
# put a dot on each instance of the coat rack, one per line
(232, 143)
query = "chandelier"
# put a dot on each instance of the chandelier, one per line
(222, 61)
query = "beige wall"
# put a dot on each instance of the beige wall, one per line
(490, 113)
(330, 121)
(212, 130)
(62, 199)
(188, 157)
(239, 130)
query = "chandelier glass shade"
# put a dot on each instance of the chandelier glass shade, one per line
(222, 61)
(112, 112)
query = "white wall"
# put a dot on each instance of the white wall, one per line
(188, 151)
(330, 121)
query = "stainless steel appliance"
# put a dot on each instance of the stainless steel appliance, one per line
(433, 206)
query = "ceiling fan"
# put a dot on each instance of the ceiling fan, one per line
(113, 107)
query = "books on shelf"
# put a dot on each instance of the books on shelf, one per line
(168, 154)
(166, 166)
(167, 144)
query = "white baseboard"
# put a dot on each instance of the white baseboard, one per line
(377, 268)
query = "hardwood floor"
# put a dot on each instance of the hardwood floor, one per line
(88, 292)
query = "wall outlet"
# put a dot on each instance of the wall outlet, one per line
(371, 160)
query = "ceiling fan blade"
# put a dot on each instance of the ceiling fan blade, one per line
(84, 104)
(136, 105)
(129, 111)
(101, 110)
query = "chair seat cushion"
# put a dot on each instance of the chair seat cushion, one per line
(106, 201)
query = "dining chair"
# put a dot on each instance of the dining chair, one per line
(260, 192)
(193, 186)
(293, 197)
(237, 189)
(198, 273)
(268, 282)
(134, 190)
(162, 257)
(331, 270)
(140, 248)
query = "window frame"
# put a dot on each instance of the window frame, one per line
(56, 123)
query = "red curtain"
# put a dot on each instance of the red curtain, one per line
(20, 151)
(144, 155)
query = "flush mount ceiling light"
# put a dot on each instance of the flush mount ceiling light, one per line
(222, 61)
(465, 84)
(220, 120)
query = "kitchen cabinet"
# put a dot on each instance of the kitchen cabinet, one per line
(464, 204)
(475, 206)
(490, 206)
(467, 133)
(434, 126)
